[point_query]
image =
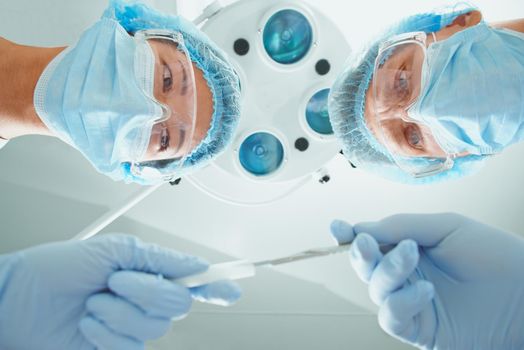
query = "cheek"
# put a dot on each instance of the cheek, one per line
(432, 147)
(152, 149)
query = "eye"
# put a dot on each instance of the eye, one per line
(400, 91)
(414, 136)
(164, 139)
(167, 78)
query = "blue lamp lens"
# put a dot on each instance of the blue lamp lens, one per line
(261, 154)
(317, 115)
(287, 36)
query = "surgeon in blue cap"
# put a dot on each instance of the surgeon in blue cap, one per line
(432, 97)
(145, 97)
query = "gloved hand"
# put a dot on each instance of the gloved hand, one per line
(448, 283)
(104, 293)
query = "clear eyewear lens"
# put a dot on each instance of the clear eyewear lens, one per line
(168, 138)
(397, 83)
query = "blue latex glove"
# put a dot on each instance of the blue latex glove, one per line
(104, 293)
(448, 283)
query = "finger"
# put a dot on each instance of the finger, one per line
(129, 253)
(397, 314)
(426, 229)
(393, 271)
(342, 232)
(364, 256)
(156, 296)
(223, 293)
(125, 318)
(104, 339)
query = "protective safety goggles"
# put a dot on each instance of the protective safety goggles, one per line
(398, 80)
(164, 71)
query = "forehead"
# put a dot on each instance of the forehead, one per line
(369, 114)
(205, 106)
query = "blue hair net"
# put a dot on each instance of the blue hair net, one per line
(347, 98)
(218, 72)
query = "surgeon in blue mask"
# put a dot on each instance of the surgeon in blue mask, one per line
(146, 97)
(432, 97)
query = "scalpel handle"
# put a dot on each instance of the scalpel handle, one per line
(232, 270)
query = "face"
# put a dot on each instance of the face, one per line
(178, 84)
(399, 79)
(404, 136)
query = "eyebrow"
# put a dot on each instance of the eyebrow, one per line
(184, 78)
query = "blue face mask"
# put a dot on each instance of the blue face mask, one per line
(96, 96)
(472, 94)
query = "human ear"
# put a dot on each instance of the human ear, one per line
(462, 22)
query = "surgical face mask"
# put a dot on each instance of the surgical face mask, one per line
(463, 95)
(126, 103)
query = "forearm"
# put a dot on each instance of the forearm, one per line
(20, 69)
(4, 44)
(515, 24)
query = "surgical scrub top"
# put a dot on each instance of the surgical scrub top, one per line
(3, 143)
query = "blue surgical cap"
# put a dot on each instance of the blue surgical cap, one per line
(218, 72)
(347, 98)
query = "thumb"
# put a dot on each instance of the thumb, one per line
(342, 232)
(426, 229)
(223, 293)
(125, 252)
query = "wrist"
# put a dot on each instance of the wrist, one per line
(8, 263)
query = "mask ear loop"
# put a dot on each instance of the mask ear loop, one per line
(434, 37)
